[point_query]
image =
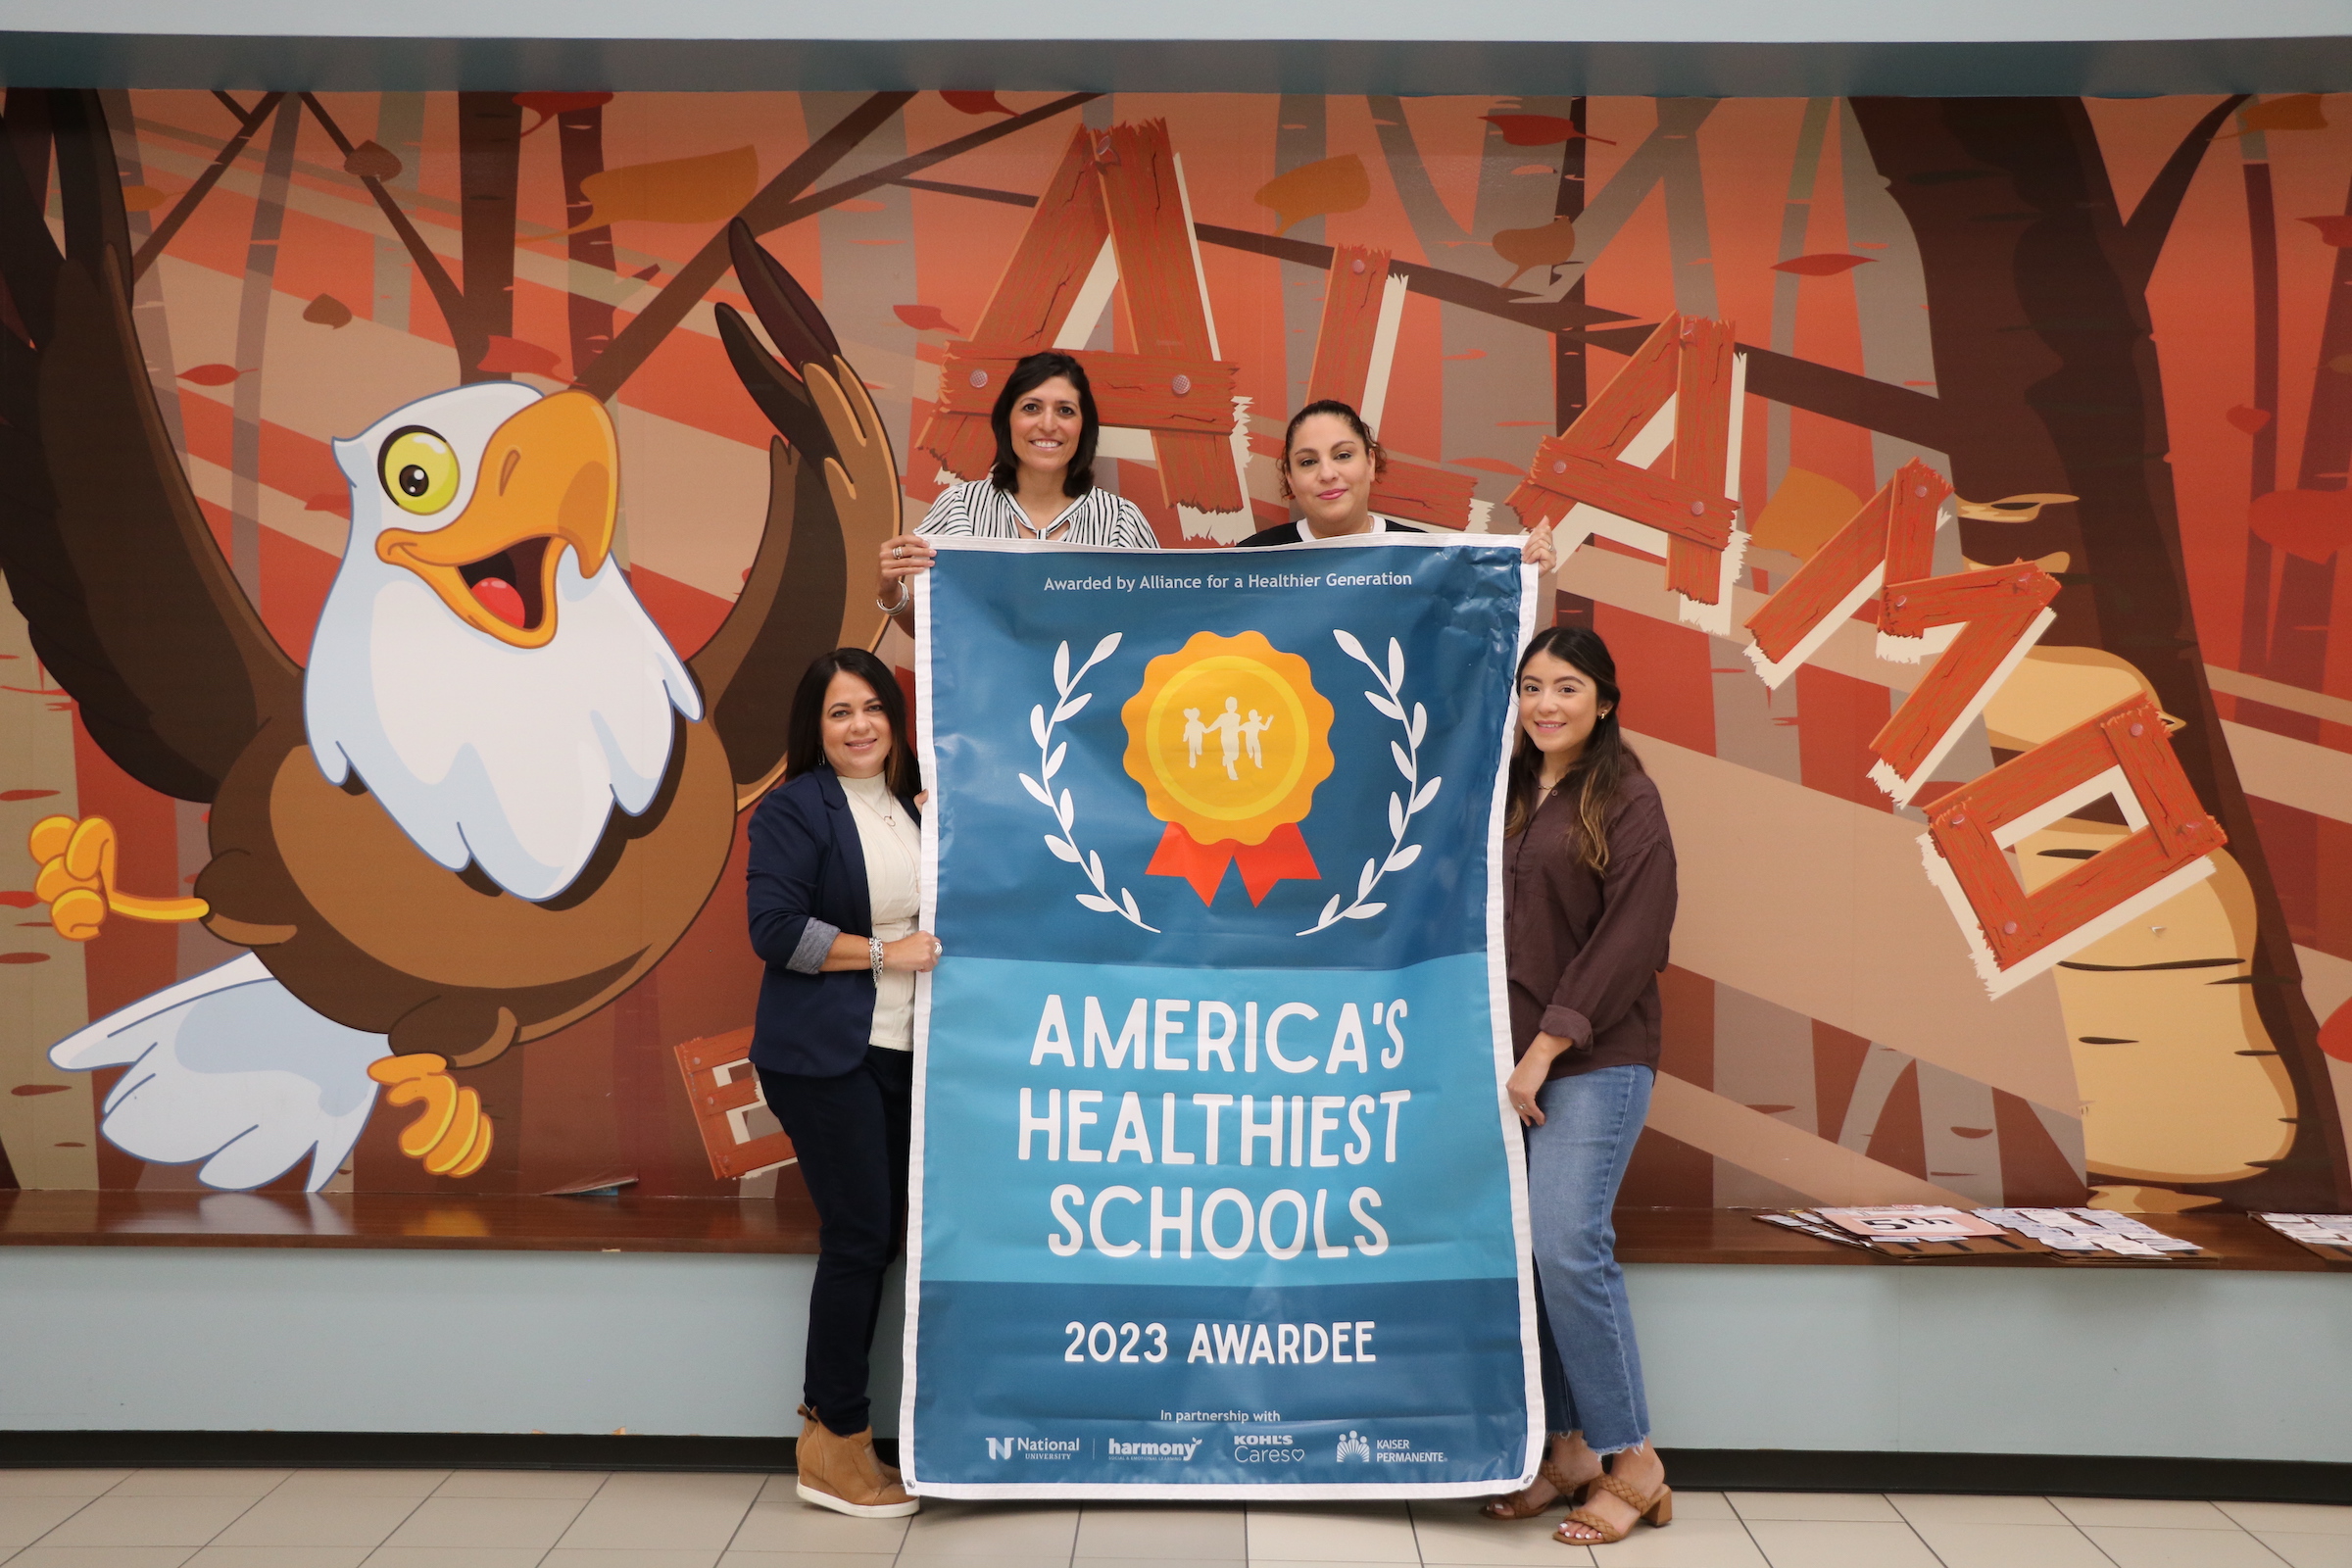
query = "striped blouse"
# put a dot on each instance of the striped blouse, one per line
(977, 509)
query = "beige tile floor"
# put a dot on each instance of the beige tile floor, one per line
(574, 1519)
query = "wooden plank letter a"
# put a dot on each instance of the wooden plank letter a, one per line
(1681, 387)
(1113, 217)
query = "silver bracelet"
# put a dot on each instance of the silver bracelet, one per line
(905, 597)
(874, 954)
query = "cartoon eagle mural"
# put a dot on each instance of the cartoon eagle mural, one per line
(493, 799)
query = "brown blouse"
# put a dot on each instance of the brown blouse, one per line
(1584, 950)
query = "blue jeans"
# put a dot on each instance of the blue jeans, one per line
(1575, 1162)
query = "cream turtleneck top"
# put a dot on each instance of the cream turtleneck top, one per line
(894, 863)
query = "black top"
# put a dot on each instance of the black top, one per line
(1286, 533)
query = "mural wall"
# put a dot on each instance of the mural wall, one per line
(1961, 484)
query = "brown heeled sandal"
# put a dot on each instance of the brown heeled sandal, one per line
(1517, 1504)
(1656, 1510)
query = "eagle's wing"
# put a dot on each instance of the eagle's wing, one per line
(131, 608)
(228, 1068)
(791, 608)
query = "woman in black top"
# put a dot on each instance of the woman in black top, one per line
(1330, 462)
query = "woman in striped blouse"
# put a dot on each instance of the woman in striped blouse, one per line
(1041, 487)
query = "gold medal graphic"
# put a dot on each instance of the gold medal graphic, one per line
(1229, 738)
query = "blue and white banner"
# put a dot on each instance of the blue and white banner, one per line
(1216, 1191)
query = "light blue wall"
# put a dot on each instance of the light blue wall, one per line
(1665, 47)
(2227, 1365)
(1583, 21)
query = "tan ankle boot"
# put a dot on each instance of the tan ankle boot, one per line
(846, 1474)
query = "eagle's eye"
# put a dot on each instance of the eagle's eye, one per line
(419, 469)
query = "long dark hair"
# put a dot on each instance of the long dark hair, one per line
(805, 737)
(1028, 375)
(1599, 775)
(1337, 410)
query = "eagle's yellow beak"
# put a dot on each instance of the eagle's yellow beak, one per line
(546, 480)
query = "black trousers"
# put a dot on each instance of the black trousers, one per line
(851, 1135)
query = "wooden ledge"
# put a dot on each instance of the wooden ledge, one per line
(784, 1223)
(787, 1223)
(1735, 1236)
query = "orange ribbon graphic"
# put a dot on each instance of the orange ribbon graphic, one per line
(1229, 739)
(1283, 854)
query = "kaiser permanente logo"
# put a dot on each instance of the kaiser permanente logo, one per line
(1032, 1448)
(1353, 1445)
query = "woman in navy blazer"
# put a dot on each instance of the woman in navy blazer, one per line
(834, 889)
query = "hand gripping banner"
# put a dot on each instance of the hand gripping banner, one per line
(1214, 1190)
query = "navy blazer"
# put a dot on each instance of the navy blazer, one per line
(807, 877)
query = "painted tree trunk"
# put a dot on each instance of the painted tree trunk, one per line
(582, 143)
(2045, 356)
(489, 160)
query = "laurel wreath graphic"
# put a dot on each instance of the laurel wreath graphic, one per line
(1049, 756)
(1402, 809)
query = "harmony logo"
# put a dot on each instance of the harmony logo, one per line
(1032, 1448)
(1354, 1446)
(1113, 1448)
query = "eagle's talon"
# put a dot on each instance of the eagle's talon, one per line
(49, 836)
(77, 879)
(450, 1134)
(77, 913)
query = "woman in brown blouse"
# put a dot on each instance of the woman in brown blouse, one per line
(1589, 903)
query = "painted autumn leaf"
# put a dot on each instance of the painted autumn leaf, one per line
(703, 189)
(975, 103)
(2296, 111)
(925, 319)
(372, 160)
(512, 355)
(143, 198)
(1804, 513)
(2335, 228)
(1526, 249)
(212, 374)
(1539, 130)
(1330, 185)
(548, 105)
(2310, 523)
(327, 310)
(337, 502)
(1821, 264)
(2250, 420)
